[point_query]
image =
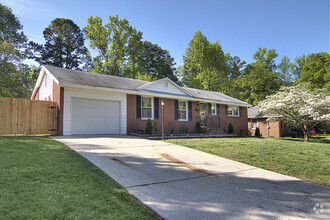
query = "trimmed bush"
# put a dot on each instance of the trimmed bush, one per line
(257, 133)
(198, 127)
(230, 128)
(148, 129)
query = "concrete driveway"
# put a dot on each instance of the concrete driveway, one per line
(182, 183)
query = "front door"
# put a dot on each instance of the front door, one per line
(202, 113)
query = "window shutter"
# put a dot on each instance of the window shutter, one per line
(156, 108)
(138, 107)
(190, 111)
(218, 109)
(226, 109)
(176, 109)
(240, 111)
(210, 111)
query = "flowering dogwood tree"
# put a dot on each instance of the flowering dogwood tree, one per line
(299, 105)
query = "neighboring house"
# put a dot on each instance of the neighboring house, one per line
(276, 128)
(91, 103)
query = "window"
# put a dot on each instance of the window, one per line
(282, 125)
(146, 107)
(254, 123)
(182, 110)
(213, 109)
(233, 111)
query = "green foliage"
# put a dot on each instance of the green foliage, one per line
(315, 70)
(148, 129)
(198, 127)
(204, 64)
(171, 127)
(260, 78)
(64, 45)
(230, 128)
(118, 45)
(122, 52)
(257, 133)
(285, 71)
(16, 79)
(155, 127)
(157, 62)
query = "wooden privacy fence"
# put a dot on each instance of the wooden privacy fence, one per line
(27, 117)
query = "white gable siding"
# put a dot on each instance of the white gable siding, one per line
(46, 88)
(70, 93)
(161, 87)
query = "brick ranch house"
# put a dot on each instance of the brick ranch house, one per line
(277, 128)
(91, 103)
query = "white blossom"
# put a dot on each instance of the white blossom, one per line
(299, 105)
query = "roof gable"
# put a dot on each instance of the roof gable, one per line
(165, 86)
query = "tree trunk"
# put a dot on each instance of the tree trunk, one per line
(306, 133)
(306, 138)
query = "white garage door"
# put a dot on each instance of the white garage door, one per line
(94, 117)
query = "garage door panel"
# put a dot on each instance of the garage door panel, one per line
(95, 116)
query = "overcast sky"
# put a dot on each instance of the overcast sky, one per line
(292, 27)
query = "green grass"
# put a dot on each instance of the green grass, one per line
(43, 179)
(290, 156)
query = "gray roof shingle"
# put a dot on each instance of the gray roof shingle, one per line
(107, 81)
(254, 112)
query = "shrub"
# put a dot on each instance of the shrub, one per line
(155, 127)
(230, 128)
(198, 127)
(148, 129)
(172, 127)
(186, 129)
(257, 133)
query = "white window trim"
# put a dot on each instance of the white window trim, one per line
(186, 110)
(152, 108)
(232, 115)
(257, 123)
(215, 109)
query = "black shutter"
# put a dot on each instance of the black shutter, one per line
(226, 109)
(190, 111)
(176, 109)
(156, 108)
(218, 109)
(240, 111)
(209, 105)
(138, 107)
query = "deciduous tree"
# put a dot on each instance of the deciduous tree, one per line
(259, 78)
(299, 105)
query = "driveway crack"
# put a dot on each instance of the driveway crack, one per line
(164, 182)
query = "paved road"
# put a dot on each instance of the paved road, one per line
(182, 183)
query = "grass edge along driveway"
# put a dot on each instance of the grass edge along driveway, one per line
(293, 157)
(44, 179)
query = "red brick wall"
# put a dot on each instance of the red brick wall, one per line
(134, 124)
(274, 128)
(58, 97)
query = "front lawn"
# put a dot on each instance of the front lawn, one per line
(43, 179)
(290, 156)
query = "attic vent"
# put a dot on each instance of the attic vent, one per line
(166, 84)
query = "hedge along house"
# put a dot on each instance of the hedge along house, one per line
(275, 128)
(91, 103)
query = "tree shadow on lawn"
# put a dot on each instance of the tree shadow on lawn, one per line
(174, 191)
(322, 140)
